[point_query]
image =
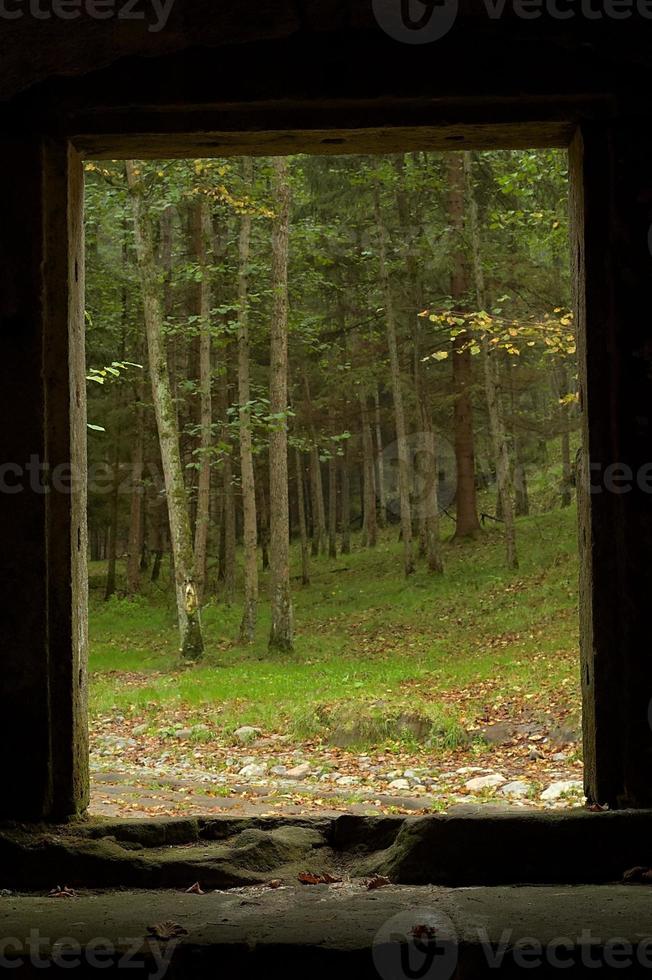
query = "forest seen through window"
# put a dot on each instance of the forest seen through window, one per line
(332, 431)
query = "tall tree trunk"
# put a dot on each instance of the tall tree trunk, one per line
(370, 527)
(345, 502)
(202, 235)
(250, 529)
(521, 497)
(428, 496)
(399, 411)
(492, 380)
(143, 564)
(137, 515)
(467, 524)
(430, 476)
(229, 531)
(319, 535)
(112, 543)
(161, 523)
(303, 529)
(566, 476)
(561, 377)
(381, 486)
(332, 502)
(263, 513)
(282, 630)
(228, 525)
(192, 644)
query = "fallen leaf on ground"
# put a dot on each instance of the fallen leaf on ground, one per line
(308, 878)
(64, 892)
(638, 873)
(378, 881)
(195, 889)
(166, 930)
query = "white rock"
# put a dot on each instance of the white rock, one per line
(517, 788)
(402, 784)
(485, 782)
(279, 770)
(246, 733)
(465, 769)
(564, 786)
(347, 780)
(253, 770)
(299, 772)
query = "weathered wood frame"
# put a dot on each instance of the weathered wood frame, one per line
(42, 317)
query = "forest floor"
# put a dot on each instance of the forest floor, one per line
(401, 696)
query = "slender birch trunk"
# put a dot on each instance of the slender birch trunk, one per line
(492, 380)
(203, 233)
(282, 630)
(250, 528)
(399, 411)
(190, 632)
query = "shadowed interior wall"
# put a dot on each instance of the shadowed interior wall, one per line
(43, 743)
(320, 77)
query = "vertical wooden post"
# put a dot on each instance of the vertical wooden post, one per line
(43, 600)
(611, 202)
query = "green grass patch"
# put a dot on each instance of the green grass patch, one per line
(367, 641)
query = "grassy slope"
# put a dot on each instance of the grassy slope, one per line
(443, 646)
